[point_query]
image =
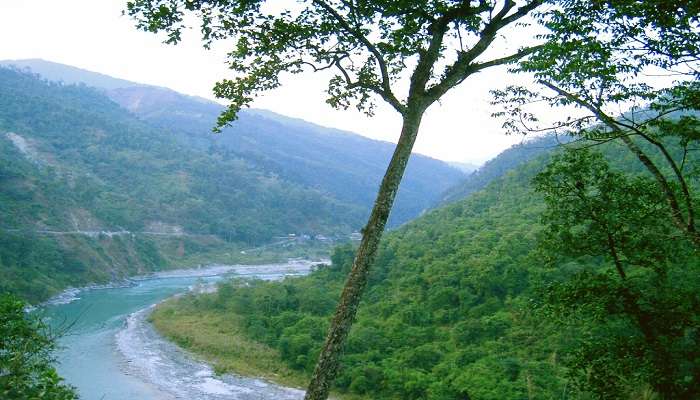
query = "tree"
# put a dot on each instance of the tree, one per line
(637, 314)
(26, 370)
(602, 57)
(371, 46)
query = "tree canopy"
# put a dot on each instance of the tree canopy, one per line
(637, 314)
(373, 47)
(26, 360)
(370, 45)
(630, 69)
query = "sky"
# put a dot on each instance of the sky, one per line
(93, 34)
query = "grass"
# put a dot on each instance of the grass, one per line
(220, 341)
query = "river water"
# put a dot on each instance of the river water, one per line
(111, 352)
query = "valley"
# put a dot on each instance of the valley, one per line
(73, 160)
(160, 245)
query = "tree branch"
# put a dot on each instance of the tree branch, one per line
(676, 212)
(676, 170)
(507, 59)
(438, 29)
(386, 91)
(463, 67)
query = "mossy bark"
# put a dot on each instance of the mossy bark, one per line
(327, 365)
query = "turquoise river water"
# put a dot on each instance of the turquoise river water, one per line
(111, 352)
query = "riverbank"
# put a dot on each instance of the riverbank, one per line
(217, 264)
(220, 341)
(55, 265)
(71, 294)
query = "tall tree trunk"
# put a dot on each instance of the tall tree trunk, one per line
(328, 361)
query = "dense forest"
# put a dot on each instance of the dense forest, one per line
(477, 300)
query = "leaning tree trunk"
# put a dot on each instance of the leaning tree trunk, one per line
(328, 361)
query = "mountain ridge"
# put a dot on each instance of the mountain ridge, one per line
(326, 159)
(72, 161)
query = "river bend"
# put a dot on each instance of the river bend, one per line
(111, 352)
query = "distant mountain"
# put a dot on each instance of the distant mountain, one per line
(65, 73)
(343, 165)
(90, 193)
(495, 168)
(97, 184)
(465, 167)
(133, 174)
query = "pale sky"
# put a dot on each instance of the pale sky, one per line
(92, 34)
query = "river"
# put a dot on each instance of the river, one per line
(111, 352)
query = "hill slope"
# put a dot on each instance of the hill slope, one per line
(495, 168)
(74, 164)
(340, 164)
(450, 312)
(442, 315)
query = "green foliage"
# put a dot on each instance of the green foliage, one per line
(26, 370)
(590, 207)
(445, 315)
(632, 290)
(637, 312)
(464, 303)
(598, 60)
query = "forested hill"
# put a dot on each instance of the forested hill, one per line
(441, 318)
(122, 173)
(455, 306)
(342, 165)
(495, 168)
(74, 163)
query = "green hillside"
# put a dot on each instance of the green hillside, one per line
(340, 164)
(455, 309)
(73, 161)
(500, 165)
(443, 309)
